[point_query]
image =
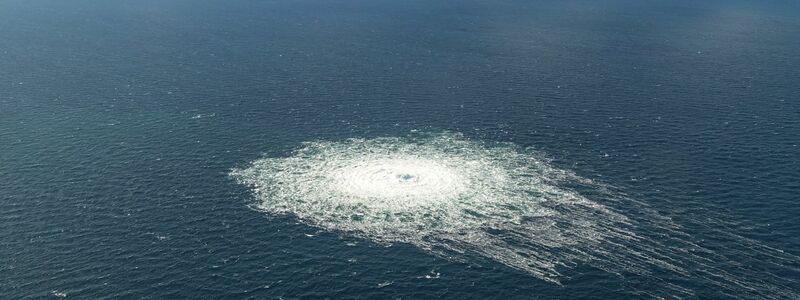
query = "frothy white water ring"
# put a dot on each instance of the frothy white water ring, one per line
(459, 198)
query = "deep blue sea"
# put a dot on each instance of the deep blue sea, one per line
(121, 123)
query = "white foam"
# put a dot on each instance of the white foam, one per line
(398, 182)
(461, 199)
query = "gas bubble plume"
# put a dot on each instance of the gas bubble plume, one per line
(464, 200)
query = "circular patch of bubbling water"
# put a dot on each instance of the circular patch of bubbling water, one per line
(461, 199)
(442, 193)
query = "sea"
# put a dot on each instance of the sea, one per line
(575, 149)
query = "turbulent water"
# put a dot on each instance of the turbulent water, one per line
(462, 199)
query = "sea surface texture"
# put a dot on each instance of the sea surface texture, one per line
(399, 149)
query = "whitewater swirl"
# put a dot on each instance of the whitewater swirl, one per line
(462, 199)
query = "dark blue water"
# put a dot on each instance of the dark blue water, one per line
(120, 121)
